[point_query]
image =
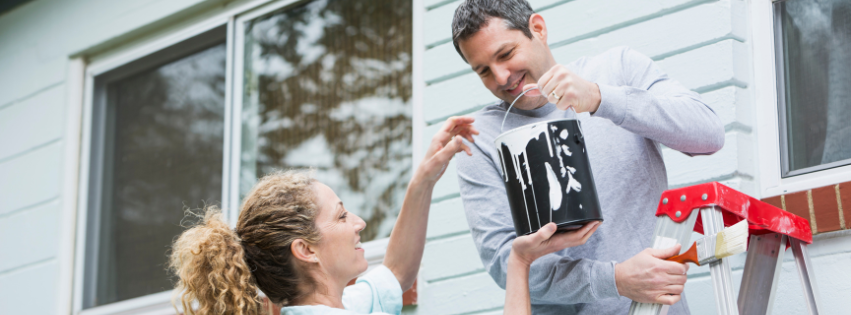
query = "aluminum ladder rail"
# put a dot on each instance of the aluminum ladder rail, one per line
(770, 230)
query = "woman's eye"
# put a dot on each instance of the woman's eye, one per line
(343, 217)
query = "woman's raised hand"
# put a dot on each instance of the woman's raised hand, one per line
(445, 144)
(530, 247)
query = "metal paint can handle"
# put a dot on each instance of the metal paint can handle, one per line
(502, 126)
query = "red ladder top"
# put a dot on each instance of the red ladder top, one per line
(762, 217)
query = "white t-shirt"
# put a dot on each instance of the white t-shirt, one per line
(377, 292)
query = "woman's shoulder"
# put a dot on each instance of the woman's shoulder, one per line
(376, 291)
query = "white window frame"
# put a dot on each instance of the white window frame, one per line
(78, 151)
(770, 180)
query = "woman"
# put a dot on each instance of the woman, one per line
(296, 242)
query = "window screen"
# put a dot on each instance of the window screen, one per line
(160, 133)
(814, 56)
(328, 86)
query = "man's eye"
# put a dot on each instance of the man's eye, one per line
(343, 217)
(508, 54)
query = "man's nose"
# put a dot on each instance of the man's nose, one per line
(501, 74)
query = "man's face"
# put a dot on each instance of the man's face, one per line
(506, 59)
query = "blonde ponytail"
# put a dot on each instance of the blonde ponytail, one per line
(210, 263)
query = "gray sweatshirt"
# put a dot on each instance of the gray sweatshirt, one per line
(641, 108)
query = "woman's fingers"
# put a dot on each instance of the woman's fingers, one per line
(546, 232)
(466, 131)
(448, 151)
(452, 127)
(574, 238)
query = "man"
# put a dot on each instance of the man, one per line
(627, 107)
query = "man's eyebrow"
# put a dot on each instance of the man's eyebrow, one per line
(495, 54)
(340, 206)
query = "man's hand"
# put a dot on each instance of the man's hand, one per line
(570, 90)
(648, 278)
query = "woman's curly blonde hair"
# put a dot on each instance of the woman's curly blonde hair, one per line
(221, 269)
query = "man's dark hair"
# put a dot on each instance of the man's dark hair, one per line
(472, 15)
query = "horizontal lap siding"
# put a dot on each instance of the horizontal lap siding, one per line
(30, 178)
(701, 44)
(29, 236)
(30, 290)
(39, 38)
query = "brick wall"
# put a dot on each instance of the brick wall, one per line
(823, 206)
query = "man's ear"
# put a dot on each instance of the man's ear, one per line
(538, 27)
(303, 251)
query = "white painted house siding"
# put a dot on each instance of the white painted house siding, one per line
(37, 41)
(706, 45)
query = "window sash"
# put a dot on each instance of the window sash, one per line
(94, 123)
(781, 66)
(102, 135)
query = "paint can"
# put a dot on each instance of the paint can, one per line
(548, 176)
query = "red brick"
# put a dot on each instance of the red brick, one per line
(797, 204)
(774, 201)
(826, 209)
(410, 296)
(845, 193)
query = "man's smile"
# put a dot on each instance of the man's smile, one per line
(515, 89)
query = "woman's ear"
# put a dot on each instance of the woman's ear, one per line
(303, 251)
(538, 27)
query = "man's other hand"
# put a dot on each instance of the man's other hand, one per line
(648, 278)
(566, 89)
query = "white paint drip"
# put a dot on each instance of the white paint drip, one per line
(572, 183)
(555, 188)
(563, 134)
(566, 150)
(516, 142)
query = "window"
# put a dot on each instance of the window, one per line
(813, 47)
(157, 147)
(327, 84)
(193, 116)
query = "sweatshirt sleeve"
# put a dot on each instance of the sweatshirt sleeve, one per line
(554, 278)
(658, 108)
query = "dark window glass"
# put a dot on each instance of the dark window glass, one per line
(815, 43)
(328, 85)
(162, 151)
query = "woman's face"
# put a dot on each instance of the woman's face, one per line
(339, 249)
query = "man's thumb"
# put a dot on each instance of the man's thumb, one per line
(664, 253)
(535, 92)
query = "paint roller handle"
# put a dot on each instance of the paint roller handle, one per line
(689, 256)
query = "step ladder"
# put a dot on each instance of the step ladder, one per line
(707, 209)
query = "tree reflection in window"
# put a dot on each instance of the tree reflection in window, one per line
(328, 86)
